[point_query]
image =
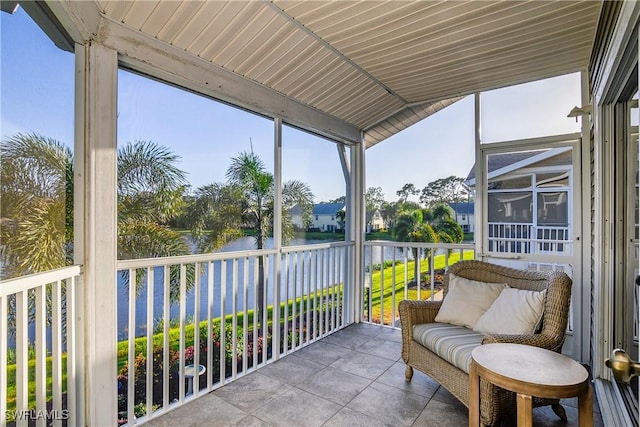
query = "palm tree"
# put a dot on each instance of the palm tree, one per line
(215, 216)
(256, 184)
(36, 190)
(427, 226)
(150, 193)
(442, 220)
(246, 201)
(36, 193)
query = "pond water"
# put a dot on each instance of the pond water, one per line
(245, 243)
(295, 287)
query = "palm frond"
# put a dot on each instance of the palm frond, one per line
(150, 184)
(35, 241)
(33, 166)
(139, 239)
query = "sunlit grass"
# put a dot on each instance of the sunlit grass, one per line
(31, 387)
(382, 287)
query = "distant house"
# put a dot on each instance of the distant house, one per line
(324, 217)
(527, 201)
(377, 222)
(464, 215)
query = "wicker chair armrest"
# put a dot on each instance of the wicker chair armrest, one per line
(413, 313)
(416, 312)
(537, 340)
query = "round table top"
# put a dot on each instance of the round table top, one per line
(528, 364)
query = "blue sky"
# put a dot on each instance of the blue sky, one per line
(37, 96)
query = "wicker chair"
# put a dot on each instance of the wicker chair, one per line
(494, 402)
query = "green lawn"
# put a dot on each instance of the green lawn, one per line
(386, 291)
(31, 368)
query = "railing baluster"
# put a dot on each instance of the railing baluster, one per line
(56, 349)
(196, 329)
(245, 318)
(150, 373)
(308, 296)
(285, 321)
(432, 270)
(341, 287)
(131, 383)
(183, 324)
(209, 345)
(267, 339)
(334, 313)
(234, 323)
(326, 292)
(73, 344)
(393, 287)
(22, 356)
(320, 280)
(223, 321)
(299, 300)
(382, 285)
(256, 312)
(41, 349)
(417, 269)
(165, 330)
(292, 300)
(315, 294)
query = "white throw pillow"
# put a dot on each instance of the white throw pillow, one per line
(467, 300)
(515, 311)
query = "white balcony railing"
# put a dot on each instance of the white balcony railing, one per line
(389, 269)
(526, 238)
(188, 325)
(40, 367)
(191, 324)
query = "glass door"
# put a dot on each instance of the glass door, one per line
(531, 191)
(626, 237)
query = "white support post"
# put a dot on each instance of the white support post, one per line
(277, 234)
(481, 227)
(95, 216)
(355, 224)
(350, 294)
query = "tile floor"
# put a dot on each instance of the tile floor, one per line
(354, 377)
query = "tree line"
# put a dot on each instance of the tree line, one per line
(36, 190)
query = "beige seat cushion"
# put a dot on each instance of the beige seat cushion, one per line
(453, 343)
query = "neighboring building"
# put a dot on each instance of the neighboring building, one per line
(464, 215)
(377, 222)
(527, 201)
(324, 218)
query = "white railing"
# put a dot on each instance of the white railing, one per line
(389, 269)
(526, 238)
(194, 323)
(38, 349)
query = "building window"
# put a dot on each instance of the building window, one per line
(529, 212)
